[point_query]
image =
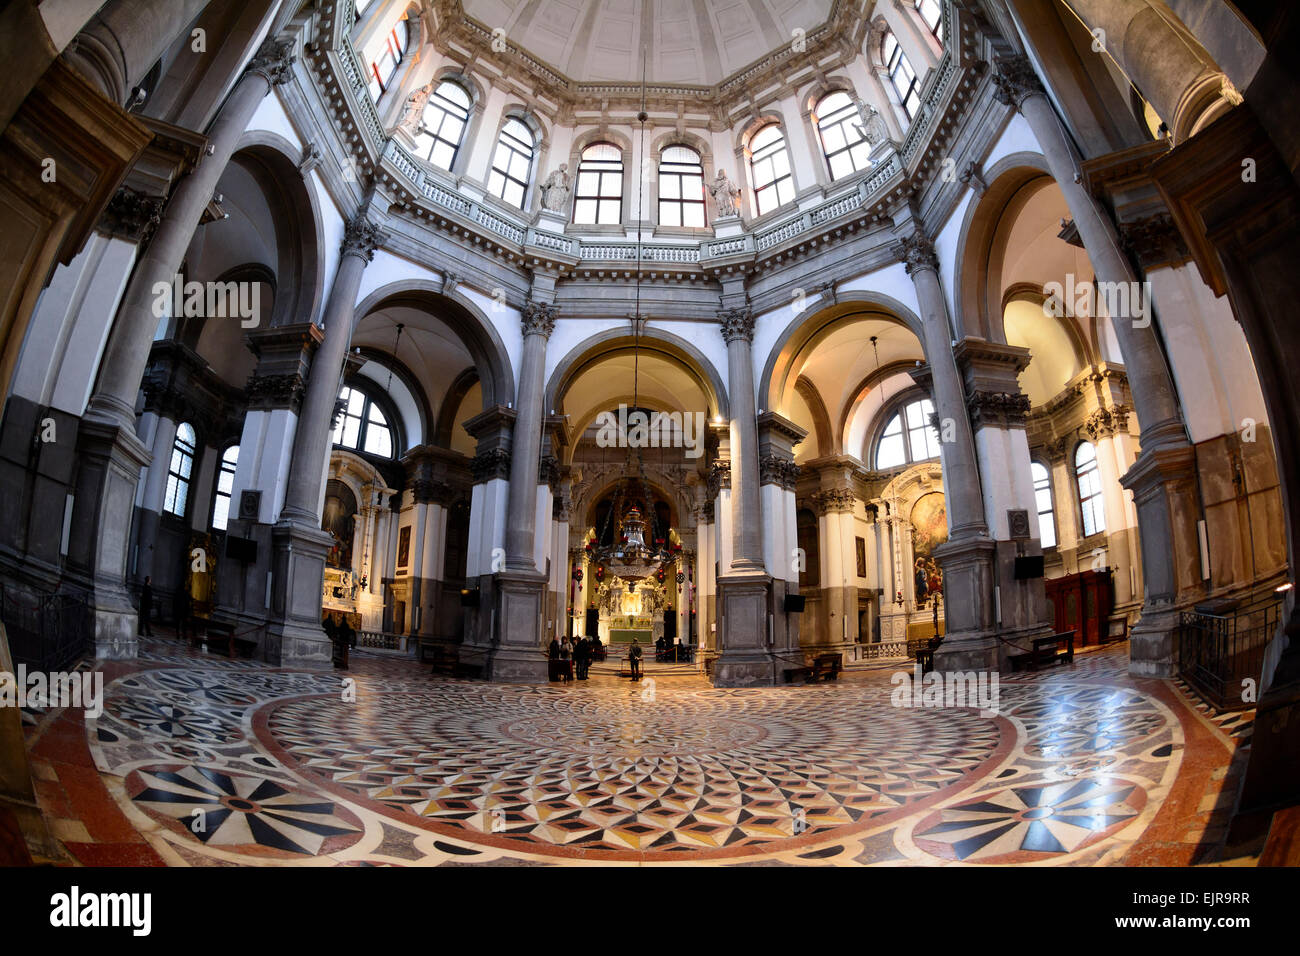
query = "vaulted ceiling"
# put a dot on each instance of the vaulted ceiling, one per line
(692, 42)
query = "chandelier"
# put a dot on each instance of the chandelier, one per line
(626, 553)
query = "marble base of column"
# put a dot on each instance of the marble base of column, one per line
(518, 655)
(1024, 613)
(110, 457)
(745, 659)
(1163, 483)
(294, 637)
(970, 642)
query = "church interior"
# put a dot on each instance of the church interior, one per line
(808, 432)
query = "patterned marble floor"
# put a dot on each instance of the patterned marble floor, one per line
(198, 760)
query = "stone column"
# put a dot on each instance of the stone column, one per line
(121, 44)
(777, 474)
(744, 587)
(966, 558)
(299, 545)
(1169, 67)
(519, 653)
(111, 454)
(834, 507)
(155, 488)
(997, 410)
(1163, 479)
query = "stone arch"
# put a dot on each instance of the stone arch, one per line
(804, 328)
(979, 227)
(464, 318)
(655, 341)
(849, 412)
(826, 440)
(273, 161)
(410, 381)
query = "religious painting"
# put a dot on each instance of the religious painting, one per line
(339, 519)
(404, 547)
(929, 530)
(862, 556)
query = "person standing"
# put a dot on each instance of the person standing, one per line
(566, 659)
(582, 657)
(634, 658)
(553, 657)
(146, 606)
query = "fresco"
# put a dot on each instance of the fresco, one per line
(929, 530)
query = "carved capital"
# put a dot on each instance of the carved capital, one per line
(1014, 79)
(538, 318)
(1154, 241)
(998, 408)
(548, 472)
(131, 215)
(777, 470)
(1105, 422)
(275, 391)
(719, 477)
(361, 237)
(834, 501)
(488, 465)
(274, 60)
(737, 324)
(916, 252)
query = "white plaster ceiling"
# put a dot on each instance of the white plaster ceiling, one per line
(661, 383)
(692, 42)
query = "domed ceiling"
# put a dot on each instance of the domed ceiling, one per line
(688, 42)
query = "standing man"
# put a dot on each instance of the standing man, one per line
(146, 605)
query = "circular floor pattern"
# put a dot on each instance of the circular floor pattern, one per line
(606, 773)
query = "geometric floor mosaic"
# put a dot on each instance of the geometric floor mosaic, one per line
(203, 761)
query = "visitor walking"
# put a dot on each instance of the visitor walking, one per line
(146, 606)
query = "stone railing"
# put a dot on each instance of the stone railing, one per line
(515, 233)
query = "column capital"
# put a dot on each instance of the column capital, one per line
(1014, 80)
(833, 501)
(774, 469)
(275, 391)
(916, 253)
(490, 464)
(737, 324)
(538, 318)
(719, 477)
(1105, 422)
(361, 238)
(998, 408)
(131, 215)
(274, 61)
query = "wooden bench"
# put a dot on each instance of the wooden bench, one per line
(826, 667)
(1052, 649)
(793, 674)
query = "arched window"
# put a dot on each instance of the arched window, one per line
(908, 437)
(933, 17)
(598, 199)
(846, 149)
(445, 117)
(363, 426)
(901, 73)
(1043, 500)
(513, 163)
(769, 169)
(179, 470)
(390, 57)
(1090, 500)
(225, 486)
(681, 187)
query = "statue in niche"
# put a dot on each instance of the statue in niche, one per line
(726, 194)
(556, 189)
(870, 123)
(413, 111)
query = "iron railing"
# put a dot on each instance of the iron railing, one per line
(1221, 649)
(46, 631)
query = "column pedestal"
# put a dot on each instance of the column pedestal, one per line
(517, 656)
(1163, 482)
(969, 642)
(111, 458)
(295, 638)
(745, 659)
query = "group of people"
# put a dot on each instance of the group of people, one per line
(568, 657)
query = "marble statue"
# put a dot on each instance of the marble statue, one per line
(726, 194)
(870, 123)
(413, 111)
(556, 189)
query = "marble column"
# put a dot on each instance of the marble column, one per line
(744, 588)
(777, 473)
(298, 543)
(966, 558)
(1163, 479)
(154, 491)
(111, 454)
(1169, 67)
(519, 653)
